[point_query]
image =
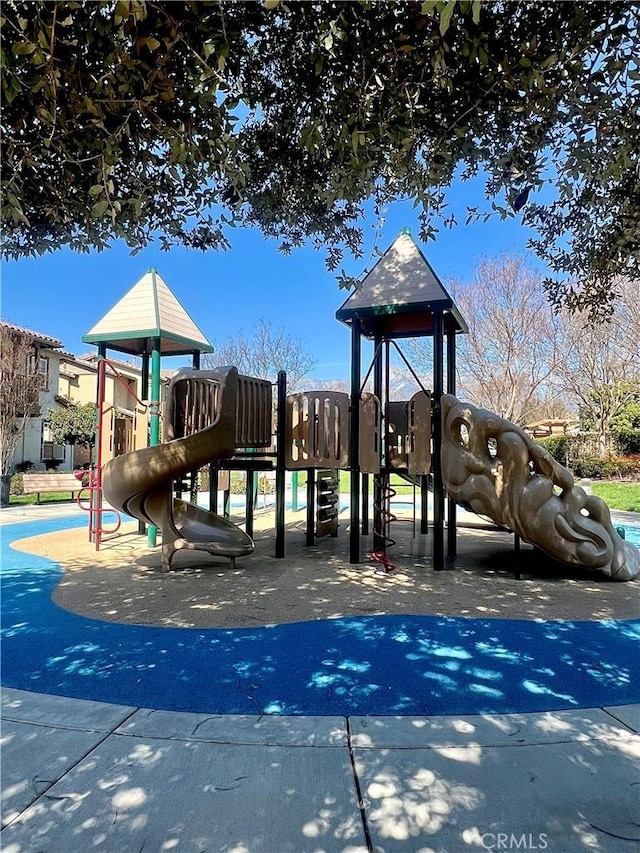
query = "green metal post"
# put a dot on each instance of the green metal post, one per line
(294, 491)
(154, 409)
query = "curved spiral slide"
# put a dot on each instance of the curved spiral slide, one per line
(140, 483)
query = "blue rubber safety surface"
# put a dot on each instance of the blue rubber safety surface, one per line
(369, 665)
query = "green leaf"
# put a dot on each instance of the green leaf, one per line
(121, 11)
(445, 16)
(23, 48)
(96, 189)
(98, 210)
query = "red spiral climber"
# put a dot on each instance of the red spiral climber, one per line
(382, 511)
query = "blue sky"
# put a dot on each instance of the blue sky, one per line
(64, 294)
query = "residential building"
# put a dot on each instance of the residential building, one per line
(36, 445)
(65, 379)
(123, 388)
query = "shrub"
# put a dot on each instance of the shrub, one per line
(203, 479)
(266, 486)
(21, 467)
(627, 467)
(590, 467)
(607, 469)
(237, 484)
(576, 453)
(628, 441)
(558, 446)
(16, 486)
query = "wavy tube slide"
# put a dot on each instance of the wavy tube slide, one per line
(140, 483)
(493, 468)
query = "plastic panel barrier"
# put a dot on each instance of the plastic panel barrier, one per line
(195, 403)
(419, 452)
(370, 426)
(406, 421)
(255, 413)
(192, 405)
(398, 435)
(317, 430)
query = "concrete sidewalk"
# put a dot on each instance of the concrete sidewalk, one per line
(18, 513)
(83, 776)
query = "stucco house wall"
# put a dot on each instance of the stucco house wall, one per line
(34, 445)
(79, 383)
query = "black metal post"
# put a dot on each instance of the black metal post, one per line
(436, 465)
(249, 503)
(196, 359)
(365, 504)
(213, 488)
(280, 462)
(354, 442)
(452, 531)
(424, 501)
(311, 507)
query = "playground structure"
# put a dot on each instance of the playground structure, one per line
(232, 423)
(489, 466)
(224, 420)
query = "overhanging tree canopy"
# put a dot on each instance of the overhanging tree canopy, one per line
(127, 119)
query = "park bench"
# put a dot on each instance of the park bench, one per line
(43, 483)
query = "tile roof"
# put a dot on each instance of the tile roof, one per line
(47, 340)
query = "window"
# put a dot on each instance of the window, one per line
(40, 364)
(50, 451)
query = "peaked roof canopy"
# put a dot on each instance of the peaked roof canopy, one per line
(149, 310)
(400, 295)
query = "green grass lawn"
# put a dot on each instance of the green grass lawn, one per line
(45, 498)
(623, 496)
